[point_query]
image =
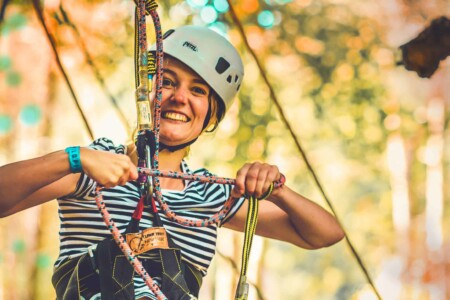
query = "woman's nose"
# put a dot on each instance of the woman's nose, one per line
(180, 94)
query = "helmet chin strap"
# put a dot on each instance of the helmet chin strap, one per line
(174, 148)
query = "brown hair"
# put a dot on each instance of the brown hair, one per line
(216, 111)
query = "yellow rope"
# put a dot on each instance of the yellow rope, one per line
(249, 232)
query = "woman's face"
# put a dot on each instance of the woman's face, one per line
(184, 103)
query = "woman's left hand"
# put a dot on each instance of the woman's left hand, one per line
(255, 179)
(286, 216)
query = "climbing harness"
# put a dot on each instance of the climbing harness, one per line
(153, 245)
(218, 217)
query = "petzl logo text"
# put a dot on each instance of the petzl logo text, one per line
(191, 46)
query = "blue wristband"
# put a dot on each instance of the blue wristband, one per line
(74, 159)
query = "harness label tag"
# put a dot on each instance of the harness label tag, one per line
(148, 239)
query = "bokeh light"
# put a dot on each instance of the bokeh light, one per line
(30, 114)
(197, 3)
(5, 63)
(19, 246)
(219, 27)
(278, 16)
(13, 78)
(208, 14)
(266, 18)
(250, 6)
(16, 21)
(277, 2)
(6, 123)
(221, 5)
(43, 260)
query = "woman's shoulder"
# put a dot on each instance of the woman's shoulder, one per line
(200, 171)
(106, 144)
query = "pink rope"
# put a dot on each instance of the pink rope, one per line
(125, 248)
(216, 218)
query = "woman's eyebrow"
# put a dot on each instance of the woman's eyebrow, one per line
(165, 70)
(198, 80)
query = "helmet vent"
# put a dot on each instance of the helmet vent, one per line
(168, 32)
(236, 78)
(222, 65)
(239, 86)
(229, 78)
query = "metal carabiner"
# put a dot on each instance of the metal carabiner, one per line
(149, 182)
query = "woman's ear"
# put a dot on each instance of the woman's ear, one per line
(212, 125)
(217, 111)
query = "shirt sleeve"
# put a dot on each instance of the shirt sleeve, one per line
(236, 206)
(85, 185)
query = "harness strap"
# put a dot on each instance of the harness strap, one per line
(115, 272)
(74, 277)
(174, 285)
(77, 278)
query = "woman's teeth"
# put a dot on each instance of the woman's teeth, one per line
(175, 116)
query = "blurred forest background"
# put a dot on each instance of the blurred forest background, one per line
(376, 134)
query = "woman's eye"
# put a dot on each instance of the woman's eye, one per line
(167, 82)
(199, 91)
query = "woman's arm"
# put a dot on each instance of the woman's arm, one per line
(20, 180)
(32, 182)
(285, 215)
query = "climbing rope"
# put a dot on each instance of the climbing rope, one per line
(250, 228)
(148, 7)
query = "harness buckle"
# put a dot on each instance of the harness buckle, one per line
(90, 251)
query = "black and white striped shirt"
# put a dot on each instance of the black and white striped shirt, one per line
(82, 225)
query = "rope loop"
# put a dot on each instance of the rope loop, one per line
(149, 5)
(267, 193)
(216, 218)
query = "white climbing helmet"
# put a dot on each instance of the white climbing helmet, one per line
(210, 55)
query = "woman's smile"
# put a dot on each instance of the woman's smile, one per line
(175, 116)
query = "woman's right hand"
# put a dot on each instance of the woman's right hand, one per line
(106, 168)
(20, 188)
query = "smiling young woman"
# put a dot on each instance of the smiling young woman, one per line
(185, 103)
(202, 74)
